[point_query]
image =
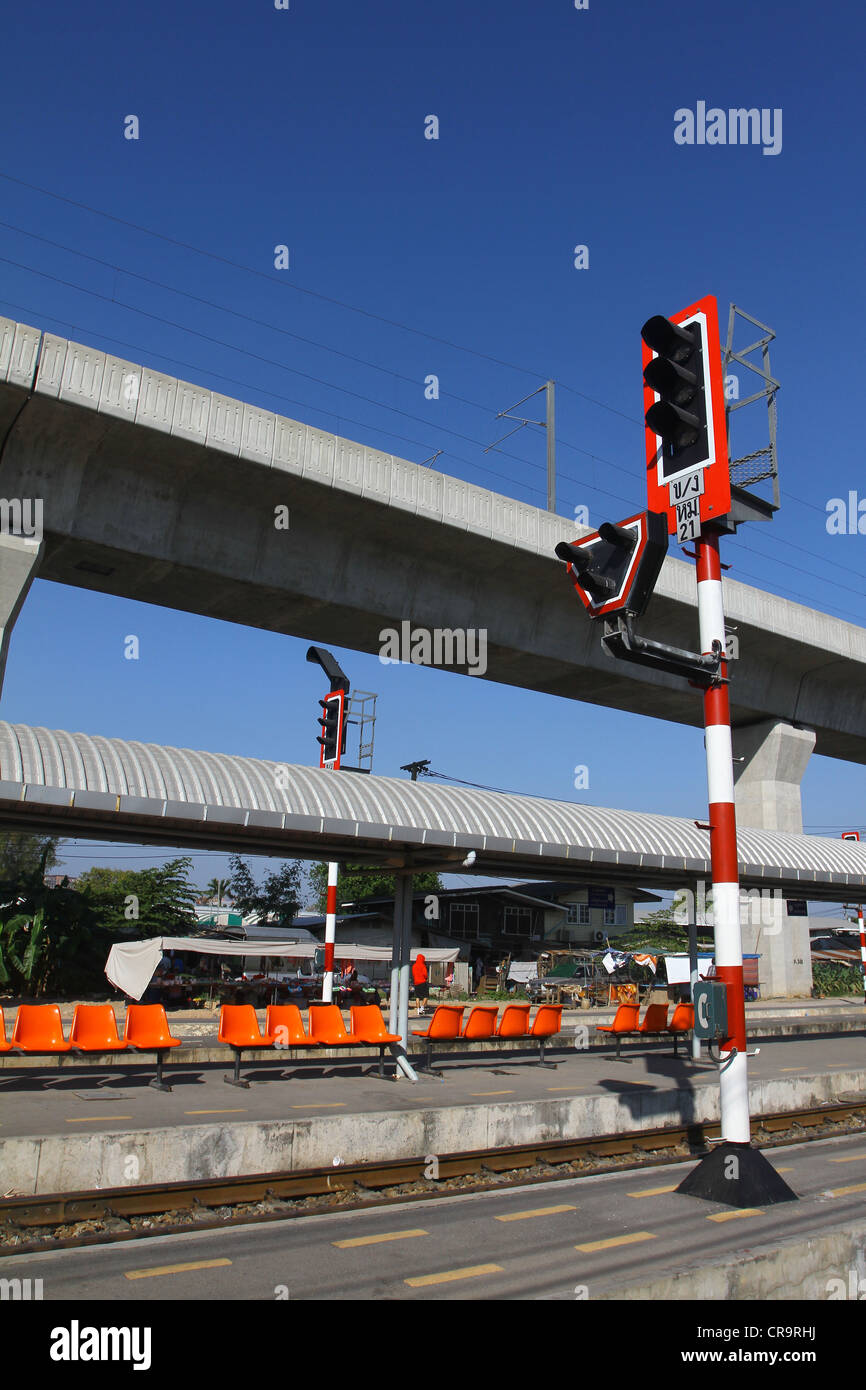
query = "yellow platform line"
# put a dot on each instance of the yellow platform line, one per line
(320, 1105)
(538, 1211)
(377, 1240)
(844, 1191)
(850, 1158)
(732, 1215)
(239, 1110)
(491, 1093)
(632, 1239)
(448, 1275)
(652, 1191)
(88, 1119)
(173, 1269)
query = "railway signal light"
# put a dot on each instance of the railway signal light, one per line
(684, 411)
(615, 568)
(676, 376)
(333, 736)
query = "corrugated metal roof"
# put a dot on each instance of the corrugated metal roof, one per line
(178, 796)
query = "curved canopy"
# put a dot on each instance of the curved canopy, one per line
(82, 784)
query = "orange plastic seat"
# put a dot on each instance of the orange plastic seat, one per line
(4, 1045)
(239, 1027)
(625, 1020)
(94, 1029)
(445, 1022)
(514, 1022)
(284, 1027)
(146, 1029)
(547, 1021)
(39, 1028)
(327, 1027)
(369, 1028)
(683, 1021)
(481, 1023)
(655, 1020)
(445, 1026)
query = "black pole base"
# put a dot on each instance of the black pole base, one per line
(737, 1176)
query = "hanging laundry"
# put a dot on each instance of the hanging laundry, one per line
(648, 961)
(614, 960)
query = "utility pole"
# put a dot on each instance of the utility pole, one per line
(548, 423)
(415, 768)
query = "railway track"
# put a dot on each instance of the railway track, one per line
(64, 1220)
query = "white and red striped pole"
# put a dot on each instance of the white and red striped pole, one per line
(723, 850)
(862, 947)
(330, 933)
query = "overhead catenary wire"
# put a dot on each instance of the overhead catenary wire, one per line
(368, 400)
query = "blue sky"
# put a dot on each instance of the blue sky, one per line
(305, 127)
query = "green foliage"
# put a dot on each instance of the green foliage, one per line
(660, 932)
(832, 978)
(151, 902)
(50, 942)
(21, 855)
(279, 896)
(355, 883)
(216, 888)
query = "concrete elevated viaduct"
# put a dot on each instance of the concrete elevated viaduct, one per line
(156, 489)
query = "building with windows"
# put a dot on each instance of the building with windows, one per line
(501, 919)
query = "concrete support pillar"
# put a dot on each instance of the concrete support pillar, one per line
(19, 562)
(767, 795)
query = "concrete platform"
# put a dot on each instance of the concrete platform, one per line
(86, 1127)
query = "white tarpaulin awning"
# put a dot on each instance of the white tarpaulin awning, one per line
(523, 970)
(131, 964)
(679, 970)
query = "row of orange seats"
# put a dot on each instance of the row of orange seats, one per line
(482, 1023)
(39, 1028)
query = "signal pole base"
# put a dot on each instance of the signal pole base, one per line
(737, 1176)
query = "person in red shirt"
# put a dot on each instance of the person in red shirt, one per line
(420, 981)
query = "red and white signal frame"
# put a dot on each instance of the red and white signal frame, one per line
(708, 482)
(618, 601)
(340, 697)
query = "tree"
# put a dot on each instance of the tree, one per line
(355, 883)
(156, 902)
(21, 854)
(279, 896)
(50, 942)
(217, 888)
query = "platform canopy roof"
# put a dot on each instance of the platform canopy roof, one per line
(109, 788)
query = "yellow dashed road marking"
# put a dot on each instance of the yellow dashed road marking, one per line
(615, 1240)
(377, 1240)
(174, 1269)
(491, 1093)
(850, 1158)
(320, 1105)
(470, 1272)
(87, 1119)
(241, 1110)
(652, 1191)
(732, 1215)
(844, 1191)
(538, 1211)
